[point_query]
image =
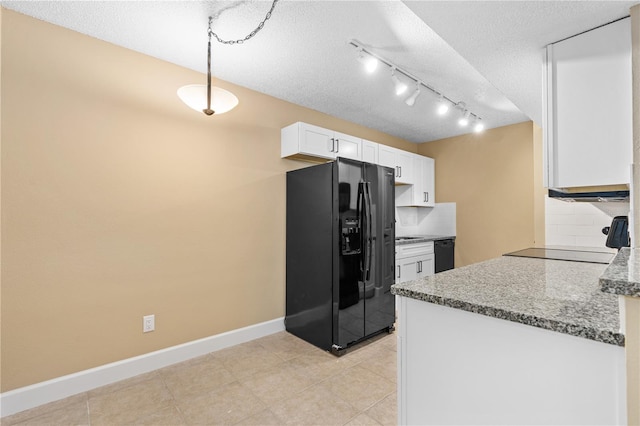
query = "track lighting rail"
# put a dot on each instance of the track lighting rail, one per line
(418, 82)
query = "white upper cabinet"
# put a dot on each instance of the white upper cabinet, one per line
(369, 151)
(399, 160)
(348, 146)
(414, 173)
(588, 108)
(424, 188)
(306, 140)
(422, 192)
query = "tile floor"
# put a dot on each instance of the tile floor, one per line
(274, 380)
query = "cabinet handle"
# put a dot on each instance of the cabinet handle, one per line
(421, 266)
(398, 271)
(400, 167)
(337, 145)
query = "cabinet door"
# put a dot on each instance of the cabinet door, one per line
(387, 157)
(423, 185)
(588, 108)
(399, 160)
(348, 146)
(427, 195)
(404, 161)
(317, 141)
(406, 269)
(369, 151)
(421, 193)
(425, 266)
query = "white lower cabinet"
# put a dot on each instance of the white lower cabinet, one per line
(414, 261)
(461, 368)
(413, 268)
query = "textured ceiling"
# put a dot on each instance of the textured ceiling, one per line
(486, 54)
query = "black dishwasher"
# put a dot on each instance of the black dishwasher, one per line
(443, 250)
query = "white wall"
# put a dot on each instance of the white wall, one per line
(579, 224)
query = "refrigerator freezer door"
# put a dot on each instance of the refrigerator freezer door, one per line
(310, 254)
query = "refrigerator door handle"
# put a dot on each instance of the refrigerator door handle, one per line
(369, 229)
(360, 214)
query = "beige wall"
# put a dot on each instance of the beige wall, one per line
(491, 178)
(119, 201)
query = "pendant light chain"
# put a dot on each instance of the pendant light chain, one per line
(250, 35)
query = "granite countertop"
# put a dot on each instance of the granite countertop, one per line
(413, 239)
(555, 295)
(622, 277)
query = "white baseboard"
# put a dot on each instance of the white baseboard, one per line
(31, 396)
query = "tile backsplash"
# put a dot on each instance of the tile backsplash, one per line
(579, 224)
(438, 220)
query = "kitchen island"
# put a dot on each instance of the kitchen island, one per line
(510, 341)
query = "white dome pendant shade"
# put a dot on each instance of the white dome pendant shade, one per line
(210, 99)
(195, 96)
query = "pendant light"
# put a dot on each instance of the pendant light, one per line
(211, 99)
(208, 99)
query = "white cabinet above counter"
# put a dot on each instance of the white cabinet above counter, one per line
(588, 108)
(399, 160)
(422, 192)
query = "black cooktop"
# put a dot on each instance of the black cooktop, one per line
(562, 254)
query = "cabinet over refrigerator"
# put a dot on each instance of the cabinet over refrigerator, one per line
(340, 253)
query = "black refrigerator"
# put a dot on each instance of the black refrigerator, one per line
(340, 257)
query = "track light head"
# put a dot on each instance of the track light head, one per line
(479, 126)
(412, 99)
(443, 106)
(464, 120)
(369, 62)
(400, 87)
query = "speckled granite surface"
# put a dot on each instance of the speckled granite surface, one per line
(551, 294)
(623, 274)
(423, 239)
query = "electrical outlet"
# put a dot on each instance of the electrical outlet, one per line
(148, 323)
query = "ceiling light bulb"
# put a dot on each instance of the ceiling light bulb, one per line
(400, 86)
(369, 62)
(464, 120)
(479, 127)
(443, 106)
(195, 96)
(412, 99)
